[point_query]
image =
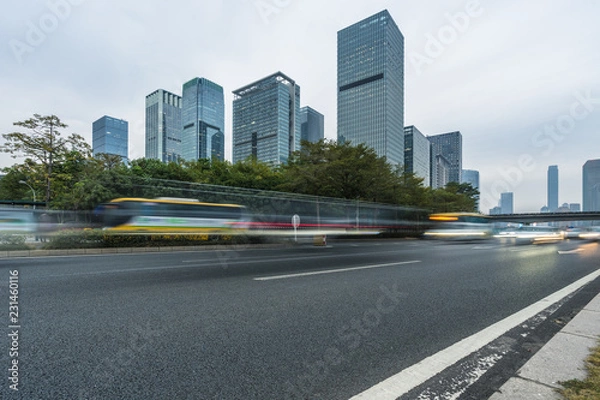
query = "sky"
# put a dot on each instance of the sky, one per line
(519, 80)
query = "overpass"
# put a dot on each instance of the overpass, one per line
(547, 217)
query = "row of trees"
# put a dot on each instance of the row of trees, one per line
(67, 174)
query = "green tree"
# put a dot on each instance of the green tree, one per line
(249, 174)
(83, 183)
(453, 198)
(409, 190)
(327, 168)
(43, 144)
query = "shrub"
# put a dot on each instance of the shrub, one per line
(75, 239)
(12, 242)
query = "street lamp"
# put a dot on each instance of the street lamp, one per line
(32, 191)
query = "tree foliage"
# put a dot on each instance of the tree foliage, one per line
(327, 168)
(43, 145)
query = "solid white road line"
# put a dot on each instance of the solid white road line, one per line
(332, 271)
(413, 376)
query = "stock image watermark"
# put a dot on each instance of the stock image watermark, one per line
(14, 329)
(350, 337)
(38, 30)
(268, 9)
(545, 140)
(437, 43)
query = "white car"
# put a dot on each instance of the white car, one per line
(528, 234)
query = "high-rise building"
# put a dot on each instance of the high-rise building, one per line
(312, 125)
(110, 136)
(553, 188)
(506, 203)
(417, 154)
(203, 120)
(471, 177)
(591, 185)
(441, 166)
(449, 145)
(266, 120)
(163, 126)
(370, 80)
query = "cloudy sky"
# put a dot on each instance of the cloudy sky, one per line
(520, 80)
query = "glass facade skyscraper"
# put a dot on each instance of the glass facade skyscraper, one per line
(471, 177)
(163, 126)
(110, 136)
(449, 145)
(507, 203)
(312, 125)
(203, 120)
(552, 188)
(417, 154)
(591, 185)
(370, 86)
(266, 120)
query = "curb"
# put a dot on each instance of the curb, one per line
(125, 250)
(562, 358)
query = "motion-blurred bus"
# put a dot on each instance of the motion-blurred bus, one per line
(172, 215)
(459, 226)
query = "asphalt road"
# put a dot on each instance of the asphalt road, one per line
(297, 322)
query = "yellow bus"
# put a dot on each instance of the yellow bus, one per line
(172, 215)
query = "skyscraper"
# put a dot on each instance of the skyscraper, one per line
(506, 203)
(440, 172)
(312, 125)
(591, 185)
(552, 188)
(449, 145)
(471, 177)
(370, 95)
(266, 120)
(110, 136)
(203, 120)
(163, 126)
(417, 154)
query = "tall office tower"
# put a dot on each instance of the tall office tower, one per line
(163, 126)
(471, 177)
(553, 188)
(312, 125)
(449, 145)
(266, 120)
(507, 203)
(202, 120)
(110, 136)
(591, 185)
(370, 96)
(441, 176)
(417, 154)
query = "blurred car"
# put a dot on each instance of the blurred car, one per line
(573, 233)
(592, 233)
(528, 234)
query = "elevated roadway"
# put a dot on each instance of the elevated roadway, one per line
(547, 217)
